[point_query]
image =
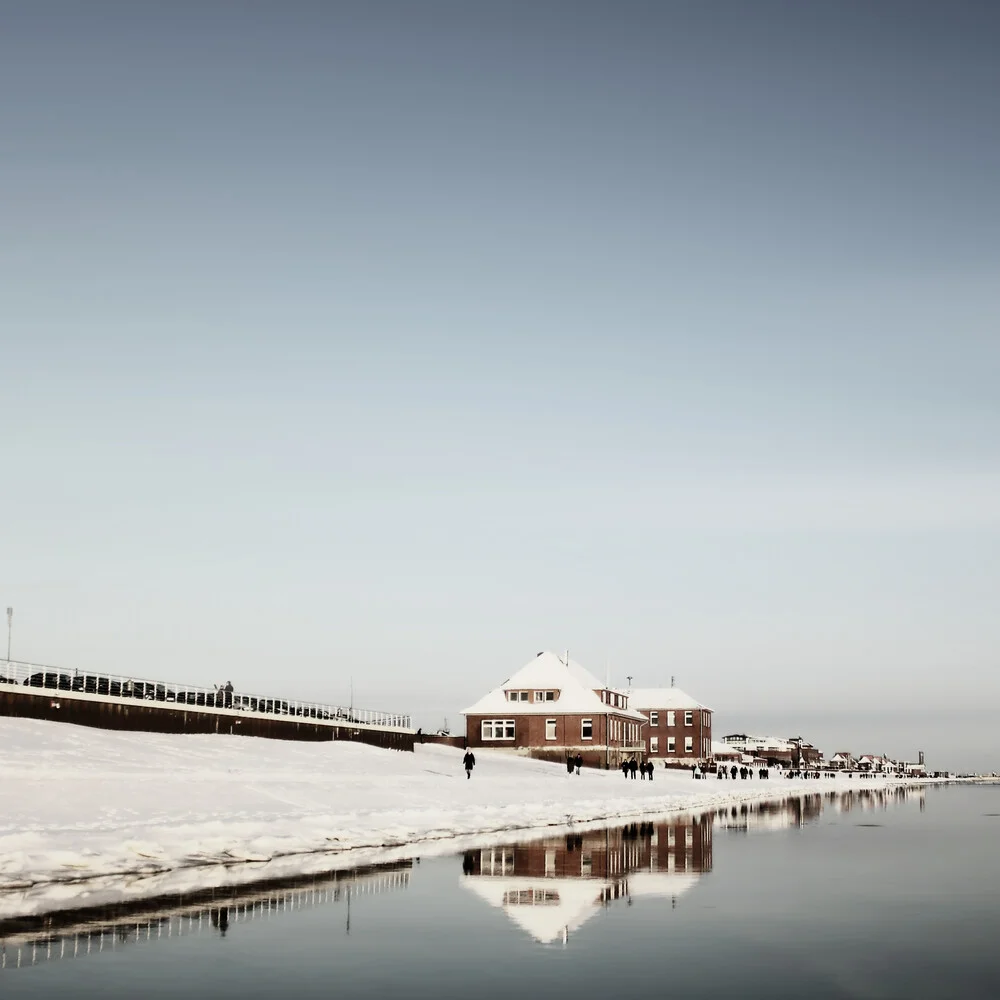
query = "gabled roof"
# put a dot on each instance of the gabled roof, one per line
(660, 698)
(548, 672)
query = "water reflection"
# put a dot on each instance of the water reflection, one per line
(551, 887)
(548, 888)
(797, 811)
(75, 933)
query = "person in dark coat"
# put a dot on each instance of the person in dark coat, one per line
(227, 693)
(633, 767)
(732, 772)
(625, 768)
(578, 762)
(649, 770)
(469, 760)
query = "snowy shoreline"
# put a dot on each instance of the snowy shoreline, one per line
(91, 816)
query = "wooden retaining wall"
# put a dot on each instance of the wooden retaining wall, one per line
(156, 717)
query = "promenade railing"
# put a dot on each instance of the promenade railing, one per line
(127, 688)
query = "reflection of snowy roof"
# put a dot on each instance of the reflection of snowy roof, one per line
(669, 697)
(547, 672)
(575, 901)
(664, 884)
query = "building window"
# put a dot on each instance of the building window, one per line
(689, 744)
(671, 745)
(587, 729)
(524, 696)
(539, 695)
(550, 696)
(689, 718)
(671, 719)
(550, 729)
(512, 696)
(654, 718)
(654, 744)
(498, 729)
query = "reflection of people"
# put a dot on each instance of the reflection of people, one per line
(468, 863)
(220, 919)
(469, 760)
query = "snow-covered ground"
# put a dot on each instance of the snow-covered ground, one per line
(90, 815)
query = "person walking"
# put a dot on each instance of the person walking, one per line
(469, 760)
(625, 768)
(578, 762)
(633, 767)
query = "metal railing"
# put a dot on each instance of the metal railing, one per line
(121, 687)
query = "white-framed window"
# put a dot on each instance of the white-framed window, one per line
(586, 729)
(689, 744)
(539, 695)
(671, 745)
(654, 744)
(498, 729)
(524, 696)
(654, 718)
(513, 695)
(550, 729)
(550, 696)
(689, 718)
(671, 719)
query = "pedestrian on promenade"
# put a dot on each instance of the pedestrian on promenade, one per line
(633, 767)
(625, 768)
(579, 762)
(469, 760)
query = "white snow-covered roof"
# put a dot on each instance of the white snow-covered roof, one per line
(662, 698)
(563, 905)
(723, 750)
(547, 672)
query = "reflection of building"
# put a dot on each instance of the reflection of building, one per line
(680, 727)
(72, 934)
(552, 708)
(551, 887)
(754, 817)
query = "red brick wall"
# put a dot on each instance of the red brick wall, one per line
(700, 729)
(529, 735)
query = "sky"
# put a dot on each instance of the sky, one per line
(375, 347)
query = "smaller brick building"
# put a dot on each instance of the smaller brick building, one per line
(679, 730)
(553, 709)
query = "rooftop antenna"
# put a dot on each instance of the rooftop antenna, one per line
(671, 680)
(629, 676)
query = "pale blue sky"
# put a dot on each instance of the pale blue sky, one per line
(399, 341)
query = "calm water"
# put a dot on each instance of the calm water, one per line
(868, 895)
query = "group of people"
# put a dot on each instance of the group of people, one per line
(743, 772)
(629, 767)
(574, 763)
(224, 695)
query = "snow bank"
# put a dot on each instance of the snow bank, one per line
(90, 815)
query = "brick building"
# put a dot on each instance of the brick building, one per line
(552, 708)
(679, 730)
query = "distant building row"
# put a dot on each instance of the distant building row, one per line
(552, 709)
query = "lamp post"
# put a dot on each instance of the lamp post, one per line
(10, 616)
